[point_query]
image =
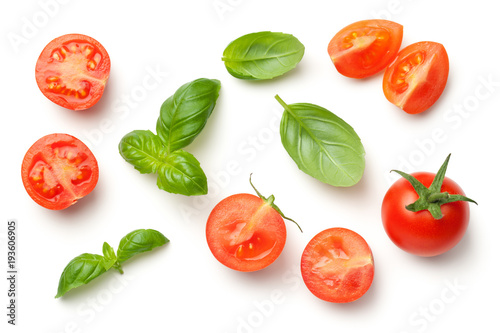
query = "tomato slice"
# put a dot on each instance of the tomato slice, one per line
(245, 233)
(364, 48)
(417, 78)
(57, 170)
(72, 71)
(337, 265)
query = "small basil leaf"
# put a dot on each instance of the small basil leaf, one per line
(142, 149)
(81, 270)
(139, 241)
(184, 114)
(109, 254)
(322, 145)
(181, 173)
(262, 55)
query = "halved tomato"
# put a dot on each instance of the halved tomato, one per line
(364, 48)
(418, 76)
(72, 71)
(57, 170)
(337, 265)
(245, 233)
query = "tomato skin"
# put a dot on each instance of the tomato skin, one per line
(72, 71)
(57, 170)
(337, 265)
(376, 45)
(244, 233)
(417, 77)
(418, 232)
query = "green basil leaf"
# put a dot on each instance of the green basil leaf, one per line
(181, 173)
(109, 254)
(142, 149)
(184, 114)
(139, 241)
(262, 55)
(81, 270)
(322, 145)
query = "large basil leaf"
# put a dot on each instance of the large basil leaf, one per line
(143, 150)
(181, 173)
(322, 145)
(184, 114)
(139, 241)
(262, 55)
(81, 270)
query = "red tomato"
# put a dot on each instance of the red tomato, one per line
(245, 233)
(72, 71)
(337, 265)
(366, 47)
(58, 170)
(419, 232)
(416, 79)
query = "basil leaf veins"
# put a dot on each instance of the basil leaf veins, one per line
(262, 55)
(139, 241)
(184, 114)
(322, 145)
(81, 270)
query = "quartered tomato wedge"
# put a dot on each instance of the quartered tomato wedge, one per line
(72, 71)
(246, 232)
(417, 77)
(57, 170)
(337, 265)
(366, 47)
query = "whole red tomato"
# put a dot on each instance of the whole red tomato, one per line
(425, 214)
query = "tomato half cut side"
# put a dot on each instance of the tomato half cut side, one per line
(245, 233)
(365, 48)
(57, 170)
(72, 71)
(337, 265)
(417, 77)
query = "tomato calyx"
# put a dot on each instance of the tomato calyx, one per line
(270, 201)
(431, 198)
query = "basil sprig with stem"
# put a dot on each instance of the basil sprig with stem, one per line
(431, 198)
(182, 117)
(262, 55)
(322, 144)
(86, 267)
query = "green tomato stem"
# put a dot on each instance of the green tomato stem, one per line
(432, 198)
(270, 201)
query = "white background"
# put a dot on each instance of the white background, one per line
(181, 287)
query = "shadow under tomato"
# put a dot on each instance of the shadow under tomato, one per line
(83, 204)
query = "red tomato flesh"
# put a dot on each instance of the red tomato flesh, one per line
(418, 76)
(366, 47)
(245, 233)
(337, 265)
(57, 170)
(418, 232)
(72, 71)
